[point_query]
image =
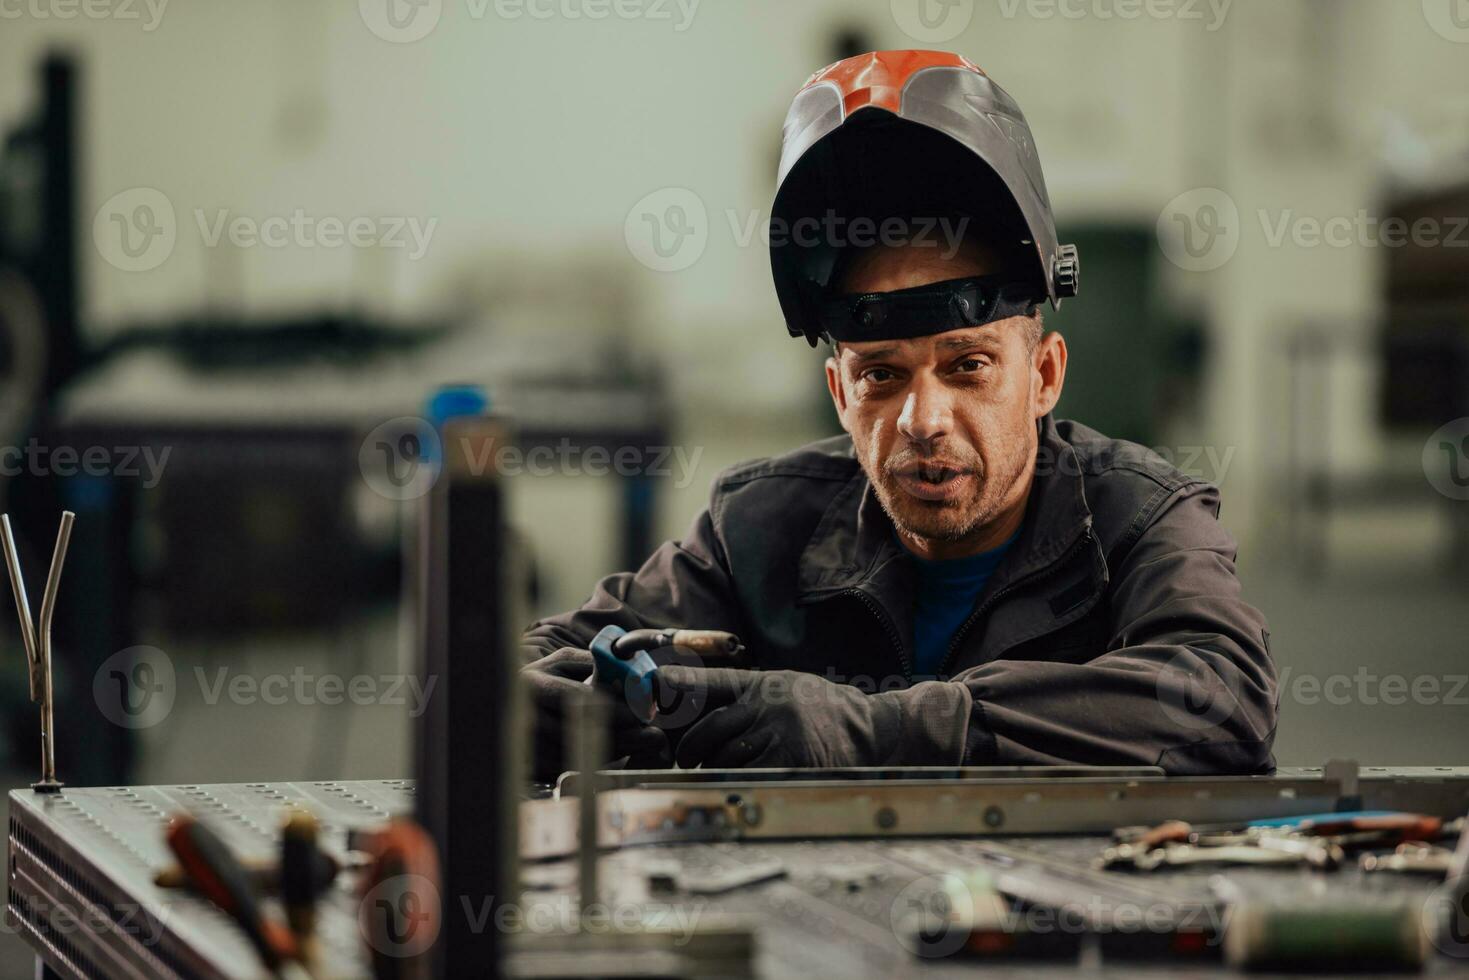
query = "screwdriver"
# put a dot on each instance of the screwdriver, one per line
(306, 872)
(219, 876)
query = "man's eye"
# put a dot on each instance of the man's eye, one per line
(878, 375)
(969, 365)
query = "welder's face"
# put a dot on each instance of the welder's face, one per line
(943, 425)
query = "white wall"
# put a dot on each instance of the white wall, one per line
(542, 134)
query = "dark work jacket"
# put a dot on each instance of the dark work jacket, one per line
(1113, 632)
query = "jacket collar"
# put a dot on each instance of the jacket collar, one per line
(854, 547)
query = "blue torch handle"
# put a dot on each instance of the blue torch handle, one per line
(632, 679)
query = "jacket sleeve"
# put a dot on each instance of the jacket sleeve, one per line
(684, 584)
(1186, 682)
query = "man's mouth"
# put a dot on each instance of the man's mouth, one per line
(934, 480)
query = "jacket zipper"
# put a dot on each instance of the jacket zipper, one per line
(887, 624)
(985, 607)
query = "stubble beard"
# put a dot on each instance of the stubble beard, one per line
(934, 520)
(943, 520)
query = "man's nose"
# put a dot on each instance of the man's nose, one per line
(927, 412)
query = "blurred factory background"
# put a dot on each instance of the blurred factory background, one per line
(243, 245)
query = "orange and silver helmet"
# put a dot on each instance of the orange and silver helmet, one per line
(916, 137)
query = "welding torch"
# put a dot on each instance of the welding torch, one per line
(623, 664)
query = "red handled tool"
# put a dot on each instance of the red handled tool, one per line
(218, 876)
(401, 911)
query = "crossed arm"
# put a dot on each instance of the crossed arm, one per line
(1186, 681)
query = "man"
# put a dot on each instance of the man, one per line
(960, 579)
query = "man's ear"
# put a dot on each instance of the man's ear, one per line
(838, 393)
(1050, 368)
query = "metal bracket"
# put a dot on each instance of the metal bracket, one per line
(1346, 772)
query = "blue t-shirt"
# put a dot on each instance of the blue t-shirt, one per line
(944, 597)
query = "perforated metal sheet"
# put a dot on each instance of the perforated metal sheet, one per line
(101, 847)
(832, 914)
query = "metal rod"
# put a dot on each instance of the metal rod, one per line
(587, 733)
(22, 602)
(49, 783)
(53, 583)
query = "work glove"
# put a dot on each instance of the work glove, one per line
(552, 681)
(787, 719)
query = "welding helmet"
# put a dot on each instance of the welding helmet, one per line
(927, 139)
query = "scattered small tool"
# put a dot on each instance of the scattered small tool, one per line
(854, 877)
(1168, 830)
(1366, 829)
(728, 880)
(625, 668)
(1322, 854)
(1459, 864)
(1326, 938)
(1190, 928)
(306, 873)
(1413, 857)
(401, 911)
(217, 875)
(1319, 840)
(265, 873)
(966, 915)
(1316, 824)
(1450, 933)
(37, 639)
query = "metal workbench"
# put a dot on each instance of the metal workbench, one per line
(82, 863)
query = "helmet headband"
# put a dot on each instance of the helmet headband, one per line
(925, 310)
